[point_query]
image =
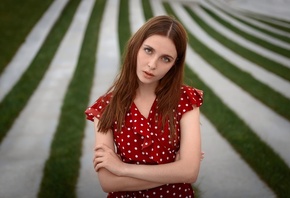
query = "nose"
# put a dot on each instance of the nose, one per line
(152, 64)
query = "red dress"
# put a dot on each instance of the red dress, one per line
(142, 142)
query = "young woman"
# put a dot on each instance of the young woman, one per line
(147, 129)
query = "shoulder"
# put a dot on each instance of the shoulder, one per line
(191, 95)
(99, 105)
(190, 98)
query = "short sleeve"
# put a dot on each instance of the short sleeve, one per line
(97, 108)
(190, 98)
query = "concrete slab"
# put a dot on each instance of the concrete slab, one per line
(27, 51)
(25, 149)
(107, 66)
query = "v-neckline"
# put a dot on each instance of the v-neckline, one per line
(150, 110)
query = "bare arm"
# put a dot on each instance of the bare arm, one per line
(184, 170)
(110, 182)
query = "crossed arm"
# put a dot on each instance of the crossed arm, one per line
(115, 175)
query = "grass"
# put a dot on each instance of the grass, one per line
(147, 9)
(266, 163)
(277, 101)
(270, 22)
(252, 56)
(274, 48)
(123, 25)
(17, 98)
(275, 35)
(269, 166)
(62, 168)
(17, 19)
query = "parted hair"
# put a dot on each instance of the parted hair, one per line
(125, 86)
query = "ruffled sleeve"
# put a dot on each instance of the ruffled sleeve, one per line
(190, 98)
(97, 108)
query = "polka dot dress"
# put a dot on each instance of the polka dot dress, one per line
(143, 141)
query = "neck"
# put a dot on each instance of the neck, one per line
(146, 90)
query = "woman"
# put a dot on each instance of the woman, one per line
(150, 118)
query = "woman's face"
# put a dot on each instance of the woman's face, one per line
(155, 57)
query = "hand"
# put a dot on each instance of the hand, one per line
(105, 157)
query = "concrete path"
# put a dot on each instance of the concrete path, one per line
(26, 147)
(207, 182)
(272, 80)
(229, 8)
(223, 172)
(26, 53)
(136, 15)
(238, 100)
(277, 9)
(244, 27)
(241, 40)
(106, 69)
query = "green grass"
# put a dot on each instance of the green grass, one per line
(62, 168)
(123, 25)
(266, 163)
(275, 35)
(262, 92)
(272, 23)
(252, 56)
(147, 9)
(17, 98)
(17, 19)
(274, 48)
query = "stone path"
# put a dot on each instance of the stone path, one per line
(223, 172)
(232, 9)
(236, 98)
(268, 78)
(242, 41)
(107, 66)
(265, 7)
(29, 48)
(244, 27)
(25, 149)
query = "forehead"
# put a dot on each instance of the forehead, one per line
(161, 44)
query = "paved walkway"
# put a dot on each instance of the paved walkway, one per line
(242, 41)
(223, 172)
(246, 28)
(234, 10)
(278, 9)
(25, 149)
(272, 80)
(236, 98)
(29, 48)
(106, 69)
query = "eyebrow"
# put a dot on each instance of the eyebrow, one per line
(146, 45)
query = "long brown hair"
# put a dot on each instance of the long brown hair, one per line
(125, 86)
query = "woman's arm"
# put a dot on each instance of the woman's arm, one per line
(110, 182)
(184, 170)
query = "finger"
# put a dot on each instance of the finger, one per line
(98, 162)
(97, 167)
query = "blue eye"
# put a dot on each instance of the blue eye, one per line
(148, 50)
(166, 59)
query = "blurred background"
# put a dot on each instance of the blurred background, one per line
(58, 56)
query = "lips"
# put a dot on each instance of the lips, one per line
(148, 74)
